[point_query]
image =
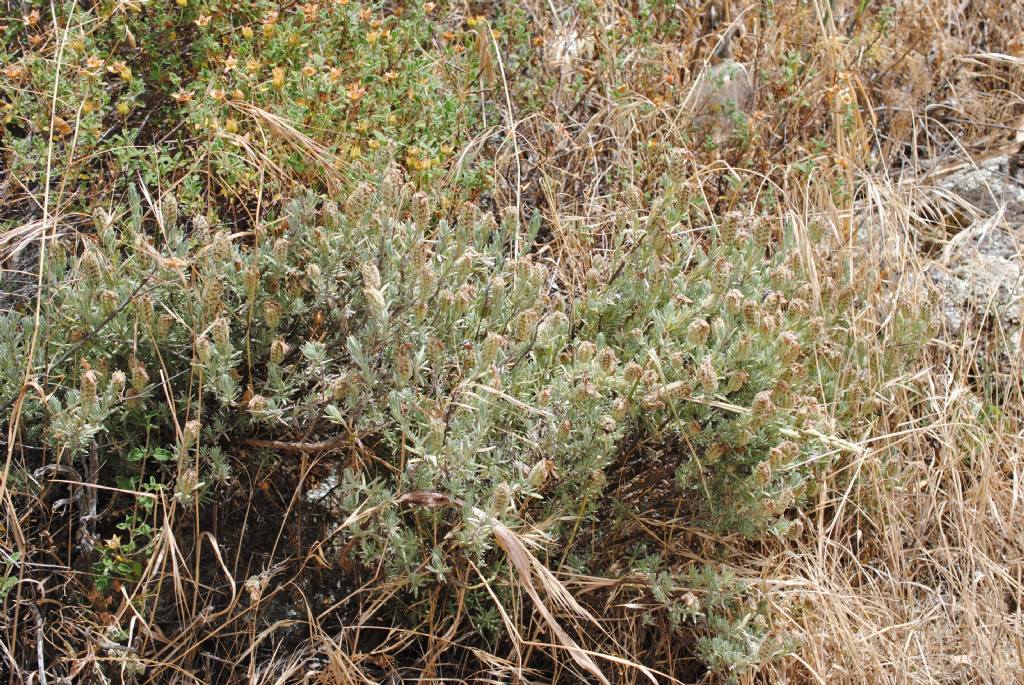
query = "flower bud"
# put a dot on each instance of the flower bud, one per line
(190, 433)
(280, 249)
(272, 314)
(762, 407)
(727, 229)
(632, 373)
(220, 248)
(492, 345)
(468, 215)
(403, 363)
(204, 349)
(220, 330)
(421, 209)
(539, 473)
(510, 220)
(139, 376)
(212, 295)
(707, 376)
(790, 346)
(377, 304)
(502, 499)
(90, 267)
(391, 186)
(750, 313)
(278, 351)
(252, 280)
(371, 276)
(257, 404)
(108, 302)
(358, 202)
(763, 473)
(607, 361)
(736, 381)
(697, 332)
(88, 383)
(169, 211)
(620, 408)
(721, 275)
(762, 232)
(585, 352)
(676, 163)
(524, 324)
(200, 225)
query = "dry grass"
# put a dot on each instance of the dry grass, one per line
(910, 567)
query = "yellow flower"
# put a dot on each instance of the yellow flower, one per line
(247, 32)
(182, 96)
(230, 63)
(231, 126)
(252, 65)
(278, 78)
(373, 144)
(114, 542)
(203, 20)
(14, 72)
(428, 7)
(123, 108)
(355, 152)
(356, 91)
(181, 3)
(372, 37)
(120, 68)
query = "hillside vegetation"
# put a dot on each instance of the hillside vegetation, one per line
(543, 342)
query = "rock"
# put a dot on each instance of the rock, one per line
(979, 272)
(721, 92)
(996, 185)
(980, 277)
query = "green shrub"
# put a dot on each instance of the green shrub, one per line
(449, 348)
(207, 116)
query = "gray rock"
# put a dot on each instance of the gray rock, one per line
(720, 92)
(980, 271)
(992, 187)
